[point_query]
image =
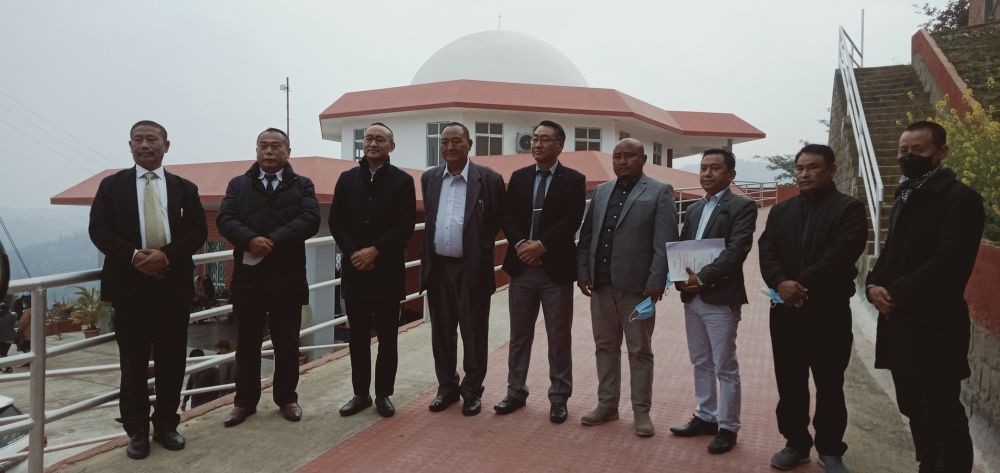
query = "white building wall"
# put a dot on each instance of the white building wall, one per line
(410, 130)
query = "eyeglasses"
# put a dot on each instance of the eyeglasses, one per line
(375, 139)
(545, 140)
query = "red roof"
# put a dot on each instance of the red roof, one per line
(212, 178)
(536, 98)
(596, 166)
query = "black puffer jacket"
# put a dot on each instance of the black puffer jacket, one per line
(288, 216)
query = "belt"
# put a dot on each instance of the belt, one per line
(448, 259)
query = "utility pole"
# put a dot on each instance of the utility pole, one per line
(285, 87)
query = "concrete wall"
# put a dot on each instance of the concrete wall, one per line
(841, 139)
(981, 392)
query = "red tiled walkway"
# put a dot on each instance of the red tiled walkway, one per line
(418, 440)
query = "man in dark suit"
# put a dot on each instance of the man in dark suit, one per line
(542, 211)
(267, 215)
(148, 223)
(712, 298)
(463, 203)
(371, 219)
(808, 252)
(918, 287)
(622, 260)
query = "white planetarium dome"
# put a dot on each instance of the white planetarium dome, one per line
(500, 56)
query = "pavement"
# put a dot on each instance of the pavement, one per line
(417, 440)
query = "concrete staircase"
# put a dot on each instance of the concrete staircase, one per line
(888, 94)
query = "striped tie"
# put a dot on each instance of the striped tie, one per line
(156, 235)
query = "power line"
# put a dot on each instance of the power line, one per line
(67, 133)
(36, 140)
(14, 245)
(47, 132)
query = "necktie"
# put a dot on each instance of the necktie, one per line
(270, 182)
(156, 235)
(536, 210)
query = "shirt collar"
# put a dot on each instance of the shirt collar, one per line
(718, 195)
(552, 170)
(263, 174)
(140, 172)
(464, 173)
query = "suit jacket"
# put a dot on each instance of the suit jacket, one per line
(377, 212)
(483, 209)
(639, 255)
(288, 216)
(561, 214)
(114, 229)
(734, 218)
(928, 258)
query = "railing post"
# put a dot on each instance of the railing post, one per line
(36, 436)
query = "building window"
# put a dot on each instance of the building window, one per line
(216, 270)
(623, 134)
(489, 139)
(359, 143)
(434, 142)
(587, 139)
(657, 153)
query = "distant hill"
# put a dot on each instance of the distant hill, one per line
(52, 240)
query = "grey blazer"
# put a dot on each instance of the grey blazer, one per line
(734, 218)
(639, 256)
(483, 209)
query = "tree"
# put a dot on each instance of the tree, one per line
(952, 16)
(785, 163)
(974, 151)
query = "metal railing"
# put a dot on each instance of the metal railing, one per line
(34, 422)
(37, 417)
(764, 193)
(848, 58)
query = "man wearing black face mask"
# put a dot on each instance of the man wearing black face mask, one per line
(918, 287)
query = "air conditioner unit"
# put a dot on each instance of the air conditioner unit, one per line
(523, 143)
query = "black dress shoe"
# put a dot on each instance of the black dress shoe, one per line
(723, 442)
(696, 426)
(138, 446)
(384, 407)
(558, 412)
(508, 405)
(472, 407)
(441, 403)
(171, 440)
(356, 405)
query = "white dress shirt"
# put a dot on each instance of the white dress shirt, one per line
(263, 179)
(451, 214)
(706, 212)
(160, 185)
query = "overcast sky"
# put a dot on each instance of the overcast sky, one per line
(75, 75)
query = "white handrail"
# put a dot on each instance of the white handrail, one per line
(849, 58)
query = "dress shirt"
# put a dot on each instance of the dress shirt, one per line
(263, 179)
(706, 212)
(451, 214)
(160, 185)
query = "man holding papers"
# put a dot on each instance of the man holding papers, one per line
(268, 214)
(807, 254)
(712, 296)
(621, 260)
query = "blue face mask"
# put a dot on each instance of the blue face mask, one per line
(643, 310)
